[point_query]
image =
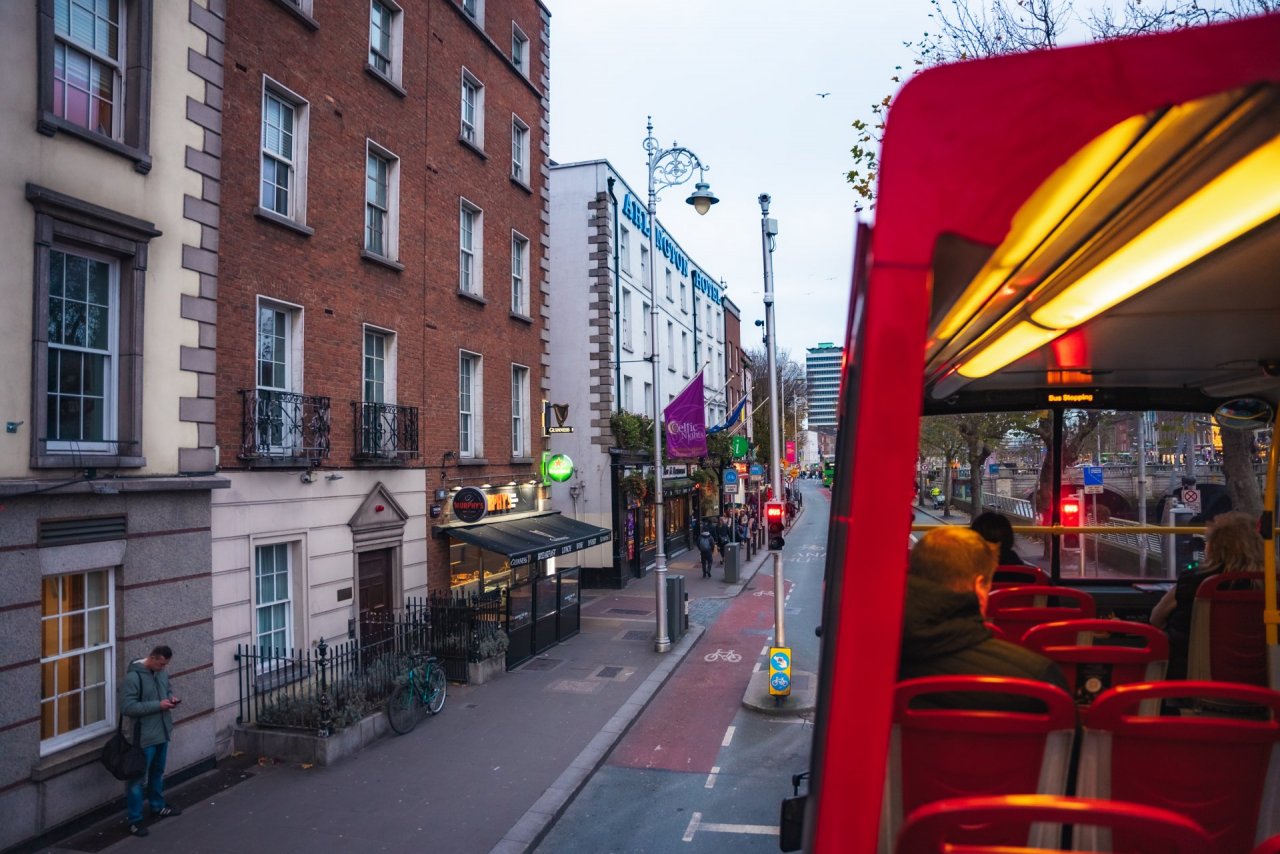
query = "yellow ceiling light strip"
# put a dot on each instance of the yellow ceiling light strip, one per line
(1243, 197)
(1014, 344)
(1040, 214)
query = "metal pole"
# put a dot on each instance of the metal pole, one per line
(768, 228)
(662, 641)
(1142, 492)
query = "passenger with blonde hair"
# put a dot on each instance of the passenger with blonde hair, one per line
(1232, 544)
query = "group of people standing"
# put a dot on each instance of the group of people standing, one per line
(737, 526)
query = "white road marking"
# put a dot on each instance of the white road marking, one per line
(756, 669)
(711, 778)
(728, 736)
(764, 650)
(696, 824)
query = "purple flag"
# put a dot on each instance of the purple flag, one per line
(686, 422)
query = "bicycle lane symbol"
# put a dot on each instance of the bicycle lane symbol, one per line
(723, 655)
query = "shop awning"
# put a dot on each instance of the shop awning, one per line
(532, 538)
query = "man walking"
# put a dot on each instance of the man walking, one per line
(706, 546)
(147, 698)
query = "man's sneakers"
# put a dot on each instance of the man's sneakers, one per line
(166, 812)
(138, 829)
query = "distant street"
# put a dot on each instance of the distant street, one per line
(697, 771)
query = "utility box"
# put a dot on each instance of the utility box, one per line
(675, 607)
(732, 558)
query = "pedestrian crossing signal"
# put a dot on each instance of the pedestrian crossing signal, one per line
(773, 515)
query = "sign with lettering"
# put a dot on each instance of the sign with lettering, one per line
(470, 504)
(1081, 397)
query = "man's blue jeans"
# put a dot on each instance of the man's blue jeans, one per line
(154, 779)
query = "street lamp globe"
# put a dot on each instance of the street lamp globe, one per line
(702, 198)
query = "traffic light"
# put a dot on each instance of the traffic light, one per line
(773, 516)
(1071, 519)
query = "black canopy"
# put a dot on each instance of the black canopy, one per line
(532, 538)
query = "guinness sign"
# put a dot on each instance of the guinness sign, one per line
(470, 504)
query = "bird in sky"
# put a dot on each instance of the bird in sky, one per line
(823, 94)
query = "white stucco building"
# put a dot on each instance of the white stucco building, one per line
(601, 338)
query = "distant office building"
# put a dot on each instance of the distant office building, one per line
(822, 375)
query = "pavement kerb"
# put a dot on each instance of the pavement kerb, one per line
(537, 820)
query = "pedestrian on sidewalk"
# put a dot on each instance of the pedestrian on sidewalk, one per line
(147, 698)
(722, 535)
(706, 546)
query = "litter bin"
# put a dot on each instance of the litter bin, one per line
(732, 551)
(675, 607)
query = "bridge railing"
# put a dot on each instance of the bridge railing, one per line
(1023, 512)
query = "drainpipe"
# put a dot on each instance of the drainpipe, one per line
(617, 315)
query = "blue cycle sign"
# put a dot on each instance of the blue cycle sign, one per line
(779, 671)
(730, 477)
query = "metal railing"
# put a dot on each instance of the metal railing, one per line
(283, 426)
(385, 431)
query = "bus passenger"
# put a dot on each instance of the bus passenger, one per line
(943, 631)
(1232, 544)
(997, 529)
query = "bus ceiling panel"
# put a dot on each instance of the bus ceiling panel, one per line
(1118, 188)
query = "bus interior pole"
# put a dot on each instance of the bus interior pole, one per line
(768, 229)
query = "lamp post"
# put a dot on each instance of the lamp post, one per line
(768, 230)
(668, 167)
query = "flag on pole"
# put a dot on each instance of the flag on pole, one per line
(734, 417)
(686, 422)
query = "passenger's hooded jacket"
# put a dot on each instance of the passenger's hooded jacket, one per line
(943, 634)
(141, 696)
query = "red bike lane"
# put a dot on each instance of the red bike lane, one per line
(684, 726)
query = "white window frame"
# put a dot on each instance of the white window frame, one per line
(520, 411)
(384, 388)
(671, 346)
(625, 318)
(392, 53)
(648, 400)
(292, 363)
(470, 249)
(390, 211)
(644, 266)
(628, 393)
(296, 162)
(519, 274)
(282, 649)
(684, 351)
(105, 649)
(667, 278)
(471, 129)
(97, 58)
(684, 296)
(519, 49)
(474, 10)
(624, 249)
(519, 150)
(645, 320)
(109, 414)
(470, 404)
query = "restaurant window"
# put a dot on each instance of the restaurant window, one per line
(77, 651)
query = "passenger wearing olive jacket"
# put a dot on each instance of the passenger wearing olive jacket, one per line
(145, 696)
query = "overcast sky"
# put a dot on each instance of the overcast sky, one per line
(738, 81)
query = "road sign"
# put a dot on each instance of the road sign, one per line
(1093, 476)
(730, 477)
(993, 468)
(779, 671)
(1191, 497)
(757, 470)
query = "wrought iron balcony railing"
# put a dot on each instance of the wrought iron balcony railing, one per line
(284, 427)
(385, 431)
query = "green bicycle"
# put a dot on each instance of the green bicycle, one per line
(423, 686)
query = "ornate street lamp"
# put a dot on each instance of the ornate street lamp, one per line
(668, 167)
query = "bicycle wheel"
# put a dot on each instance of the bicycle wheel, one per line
(402, 708)
(436, 690)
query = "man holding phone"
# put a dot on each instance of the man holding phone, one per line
(145, 696)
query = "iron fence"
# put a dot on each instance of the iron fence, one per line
(332, 686)
(283, 426)
(385, 431)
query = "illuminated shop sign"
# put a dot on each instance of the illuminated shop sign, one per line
(559, 468)
(1083, 397)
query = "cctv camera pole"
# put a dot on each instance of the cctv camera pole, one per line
(769, 228)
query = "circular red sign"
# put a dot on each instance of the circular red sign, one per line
(469, 504)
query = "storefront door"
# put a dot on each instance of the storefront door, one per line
(375, 595)
(570, 605)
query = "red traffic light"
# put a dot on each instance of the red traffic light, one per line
(773, 512)
(1070, 509)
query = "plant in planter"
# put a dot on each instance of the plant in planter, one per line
(490, 645)
(636, 485)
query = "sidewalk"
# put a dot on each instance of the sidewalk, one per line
(489, 773)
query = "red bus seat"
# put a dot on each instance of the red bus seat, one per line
(1016, 575)
(936, 754)
(1269, 846)
(1016, 609)
(1223, 773)
(996, 631)
(1092, 667)
(1228, 642)
(933, 827)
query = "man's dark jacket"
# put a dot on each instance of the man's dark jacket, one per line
(943, 634)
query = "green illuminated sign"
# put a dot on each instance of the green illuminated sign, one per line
(559, 468)
(738, 446)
